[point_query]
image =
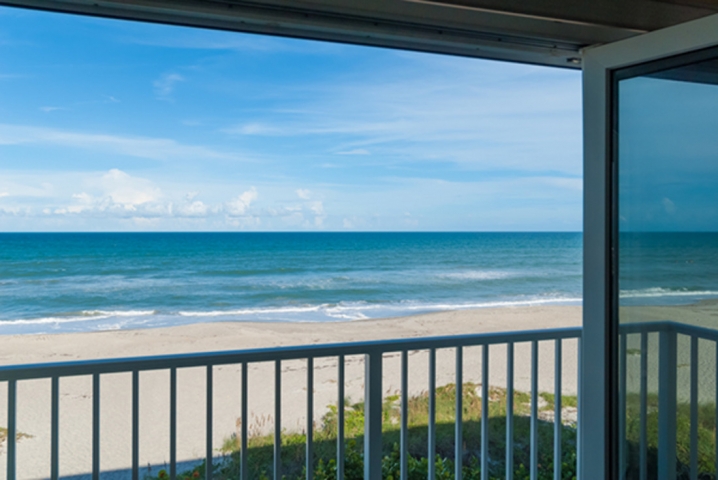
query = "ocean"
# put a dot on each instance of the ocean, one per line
(73, 282)
(667, 268)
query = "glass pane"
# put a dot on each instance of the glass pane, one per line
(668, 272)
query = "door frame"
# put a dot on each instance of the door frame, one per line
(597, 455)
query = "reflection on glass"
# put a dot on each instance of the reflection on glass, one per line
(668, 272)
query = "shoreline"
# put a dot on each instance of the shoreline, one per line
(241, 334)
(76, 393)
(312, 314)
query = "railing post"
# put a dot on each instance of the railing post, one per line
(667, 363)
(11, 428)
(96, 426)
(372, 415)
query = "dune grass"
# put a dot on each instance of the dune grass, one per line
(260, 448)
(706, 437)
(18, 436)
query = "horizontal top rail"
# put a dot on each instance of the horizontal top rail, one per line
(670, 326)
(161, 362)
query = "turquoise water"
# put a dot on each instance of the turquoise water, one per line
(103, 281)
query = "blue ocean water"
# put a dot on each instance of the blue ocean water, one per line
(62, 282)
(667, 268)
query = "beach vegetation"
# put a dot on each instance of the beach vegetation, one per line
(18, 436)
(293, 461)
(706, 443)
(260, 452)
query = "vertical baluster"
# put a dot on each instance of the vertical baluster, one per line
(404, 415)
(622, 349)
(509, 411)
(244, 466)
(96, 426)
(643, 435)
(432, 415)
(534, 410)
(310, 419)
(459, 432)
(579, 402)
(485, 412)
(667, 363)
(557, 417)
(173, 423)
(372, 414)
(340, 419)
(694, 407)
(55, 429)
(277, 420)
(11, 428)
(210, 405)
(135, 425)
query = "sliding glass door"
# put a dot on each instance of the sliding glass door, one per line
(666, 234)
(654, 165)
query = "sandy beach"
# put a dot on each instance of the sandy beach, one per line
(76, 399)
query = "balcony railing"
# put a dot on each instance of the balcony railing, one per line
(373, 353)
(670, 390)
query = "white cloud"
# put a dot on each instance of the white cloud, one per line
(252, 129)
(317, 208)
(304, 194)
(213, 40)
(478, 115)
(143, 147)
(126, 190)
(238, 206)
(194, 209)
(4, 194)
(356, 151)
(165, 85)
(669, 206)
(50, 109)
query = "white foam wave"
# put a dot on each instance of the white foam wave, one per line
(251, 311)
(509, 303)
(355, 311)
(665, 292)
(118, 313)
(50, 320)
(477, 275)
(344, 311)
(84, 316)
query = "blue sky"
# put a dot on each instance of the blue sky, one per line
(668, 155)
(110, 126)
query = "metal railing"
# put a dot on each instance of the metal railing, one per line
(372, 351)
(669, 333)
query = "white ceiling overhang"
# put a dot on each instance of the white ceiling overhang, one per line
(547, 32)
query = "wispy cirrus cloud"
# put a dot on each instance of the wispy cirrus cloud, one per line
(235, 42)
(355, 151)
(134, 146)
(165, 85)
(475, 115)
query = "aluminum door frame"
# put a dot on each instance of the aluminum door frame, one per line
(598, 350)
